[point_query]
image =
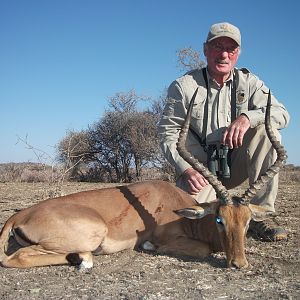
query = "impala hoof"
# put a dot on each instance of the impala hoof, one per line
(85, 265)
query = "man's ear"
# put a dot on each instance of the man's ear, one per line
(199, 211)
(260, 213)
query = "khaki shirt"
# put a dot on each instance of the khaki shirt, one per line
(251, 100)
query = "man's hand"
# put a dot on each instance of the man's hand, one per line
(195, 181)
(234, 134)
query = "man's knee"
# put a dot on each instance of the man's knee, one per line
(259, 134)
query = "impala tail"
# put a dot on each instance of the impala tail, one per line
(4, 237)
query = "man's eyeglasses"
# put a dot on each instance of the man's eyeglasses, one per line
(219, 48)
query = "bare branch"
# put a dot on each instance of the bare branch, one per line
(189, 59)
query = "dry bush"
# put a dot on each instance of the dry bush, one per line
(33, 176)
(9, 172)
(28, 172)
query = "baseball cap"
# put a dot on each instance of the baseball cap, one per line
(224, 29)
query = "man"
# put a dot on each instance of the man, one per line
(229, 110)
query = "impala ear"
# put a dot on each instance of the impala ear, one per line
(260, 213)
(199, 211)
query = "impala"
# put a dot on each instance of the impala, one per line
(151, 215)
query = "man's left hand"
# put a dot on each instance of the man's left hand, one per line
(234, 134)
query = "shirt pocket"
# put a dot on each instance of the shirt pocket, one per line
(198, 109)
(242, 99)
(169, 107)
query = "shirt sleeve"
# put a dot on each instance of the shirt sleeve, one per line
(257, 102)
(170, 125)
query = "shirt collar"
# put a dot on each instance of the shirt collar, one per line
(227, 81)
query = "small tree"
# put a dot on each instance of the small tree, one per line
(143, 139)
(189, 59)
(73, 150)
(126, 102)
(124, 138)
(110, 147)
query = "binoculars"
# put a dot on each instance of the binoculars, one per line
(218, 160)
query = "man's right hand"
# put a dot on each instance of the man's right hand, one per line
(195, 181)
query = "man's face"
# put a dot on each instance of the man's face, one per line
(221, 55)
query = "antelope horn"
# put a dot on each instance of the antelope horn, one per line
(273, 169)
(221, 191)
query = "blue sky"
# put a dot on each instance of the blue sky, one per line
(61, 60)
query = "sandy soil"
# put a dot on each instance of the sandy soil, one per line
(274, 271)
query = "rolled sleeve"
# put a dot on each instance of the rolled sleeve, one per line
(170, 125)
(257, 104)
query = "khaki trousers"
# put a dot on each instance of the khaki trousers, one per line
(247, 163)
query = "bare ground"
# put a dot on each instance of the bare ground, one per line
(274, 271)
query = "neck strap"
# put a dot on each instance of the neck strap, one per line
(202, 139)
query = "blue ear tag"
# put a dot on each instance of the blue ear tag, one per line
(219, 220)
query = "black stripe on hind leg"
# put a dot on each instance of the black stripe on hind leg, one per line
(74, 259)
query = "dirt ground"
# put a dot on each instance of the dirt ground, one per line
(274, 271)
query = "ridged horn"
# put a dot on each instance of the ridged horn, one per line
(222, 193)
(273, 169)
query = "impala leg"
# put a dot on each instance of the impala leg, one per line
(33, 256)
(185, 246)
(83, 260)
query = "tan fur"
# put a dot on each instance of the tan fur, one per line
(109, 220)
(233, 233)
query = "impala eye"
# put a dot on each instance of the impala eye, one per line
(219, 220)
